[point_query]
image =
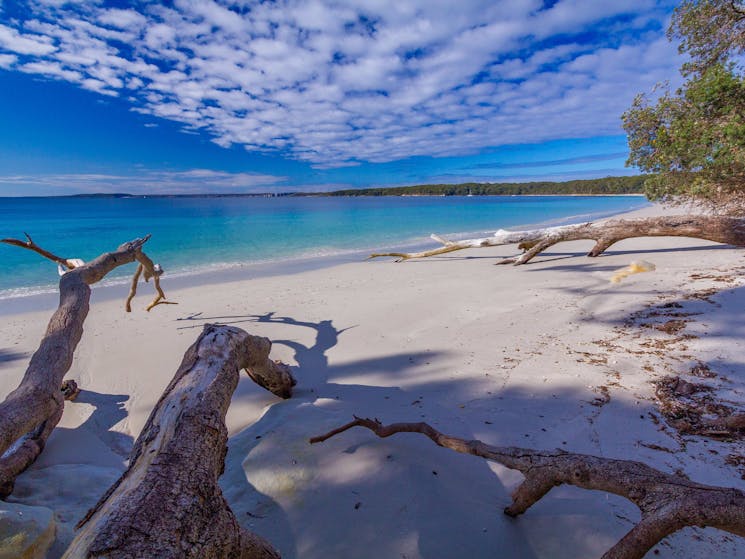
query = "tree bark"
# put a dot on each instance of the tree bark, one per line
(720, 229)
(168, 502)
(667, 502)
(29, 413)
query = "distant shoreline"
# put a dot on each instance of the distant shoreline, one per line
(320, 195)
(607, 186)
(632, 194)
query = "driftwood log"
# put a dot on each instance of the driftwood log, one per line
(29, 413)
(720, 229)
(168, 502)
(667, 502)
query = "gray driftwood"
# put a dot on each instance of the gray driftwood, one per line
(168, 502)
(29, 413)
(720, 229)
(667, 502)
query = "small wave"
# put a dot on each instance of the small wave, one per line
(183, 272)
(16, 292)
(568, 220)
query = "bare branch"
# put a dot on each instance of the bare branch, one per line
(720, 229)
(31, 245)
(133, 288)
(667, 502)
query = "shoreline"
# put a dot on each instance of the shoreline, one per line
(304, 194)
(45, 297)
(627, 194)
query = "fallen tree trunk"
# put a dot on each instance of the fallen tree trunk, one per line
(667, 502)
(720, 229)
(168, 502)
(29, 413)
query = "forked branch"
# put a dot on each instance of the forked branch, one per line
(29, 413)
(149, 271)
(667, 502)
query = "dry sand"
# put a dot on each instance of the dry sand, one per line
(547, 355)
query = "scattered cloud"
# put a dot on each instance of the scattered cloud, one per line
(557, 176)
(551, 163)
(28, 43)
(7, 60)
(334, 83)
(194, 181)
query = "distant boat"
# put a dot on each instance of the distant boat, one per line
(469, 193)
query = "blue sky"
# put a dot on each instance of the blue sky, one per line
(272, 96)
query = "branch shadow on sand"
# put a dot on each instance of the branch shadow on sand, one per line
(360, 495)
(8, 356)
(78, 465)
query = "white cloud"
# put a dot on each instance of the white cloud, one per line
(51, 69)
(334, 82)
(145, 181)
(7, 60)
(31, 44)
(122, 19)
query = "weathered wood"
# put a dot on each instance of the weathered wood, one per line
(133, 288)
(149, 271)
(720, 229)
(667, 502)
(27, 449)
(29, 413)
(168, 502)
(31, 245)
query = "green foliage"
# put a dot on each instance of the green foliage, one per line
(693, 141)
(710, 32)
(608, 185)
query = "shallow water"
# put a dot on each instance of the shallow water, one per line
(196, 235)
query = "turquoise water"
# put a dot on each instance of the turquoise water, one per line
(192, 235)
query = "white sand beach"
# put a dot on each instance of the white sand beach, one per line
(547, 355)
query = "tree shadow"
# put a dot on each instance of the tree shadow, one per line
(78, 464)
(109, 410)
(328, 499)
(312, 501)
(264, 463)
(93, 441)
(8, 356)
(704, 348)
(593, 265)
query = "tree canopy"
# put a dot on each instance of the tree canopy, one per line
(693, 140)
(606, 185)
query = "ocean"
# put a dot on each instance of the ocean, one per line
(192, 236)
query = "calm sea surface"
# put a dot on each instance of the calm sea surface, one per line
(193, 235)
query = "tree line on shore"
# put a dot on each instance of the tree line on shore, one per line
(606, 185)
